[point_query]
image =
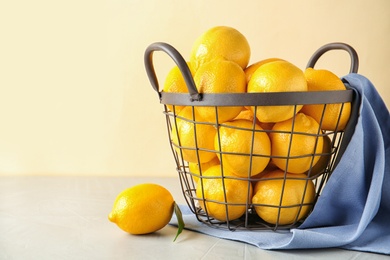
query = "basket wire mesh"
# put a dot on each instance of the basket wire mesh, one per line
(193, 182)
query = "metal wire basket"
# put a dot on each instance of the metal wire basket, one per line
(194, 181)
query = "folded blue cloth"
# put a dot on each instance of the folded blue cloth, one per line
(353, 211)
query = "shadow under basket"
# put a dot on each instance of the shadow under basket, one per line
(226, 200)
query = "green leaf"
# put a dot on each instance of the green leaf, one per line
(180, 221)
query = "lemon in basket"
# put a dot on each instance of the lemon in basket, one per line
(192, 138)
(253, 67)
(294, 143)
(220, 76)
(223, 198)
(245, 114)
(197, 170)
(142, 209)
(276, 76)
(279, 201)
(220, 42)
(175, 83)
(324, 80)
(242, 147)
(326, 156)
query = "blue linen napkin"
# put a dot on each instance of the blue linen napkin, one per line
(353, 210)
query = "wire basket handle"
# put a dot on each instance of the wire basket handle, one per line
(336, 46)
(180, 62)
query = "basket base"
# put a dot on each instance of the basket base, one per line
(249, 221)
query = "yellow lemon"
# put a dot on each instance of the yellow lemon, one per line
(244, 149)
(253, 67)
(324, 160)
(223, 198)
(192, 138)
(335, 115)
(276, 76)
(299, 139)
(142, 209)
(220, 76)
(198, 170)
(175, 83)
(279, 201)
(220, 42)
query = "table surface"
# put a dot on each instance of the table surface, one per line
(45, 217)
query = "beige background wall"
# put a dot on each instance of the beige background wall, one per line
(74, 96)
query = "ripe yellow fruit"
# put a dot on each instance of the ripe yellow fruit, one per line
(270, 168)
(295, 192)
(324, 160)
(142, 209)
(245, 114)
(276, 76)
(220, 42)
(324, 80)
(220, 76)
(253, 67)
(189, 144)
(197, 170)
(305, 140)
(237, 141)
(175, 83)
(211, 194)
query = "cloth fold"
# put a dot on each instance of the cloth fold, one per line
(353, 210)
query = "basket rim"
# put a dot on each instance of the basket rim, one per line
(259, 99)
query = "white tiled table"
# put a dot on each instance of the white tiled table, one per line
(46, 217)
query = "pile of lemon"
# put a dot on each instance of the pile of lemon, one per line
(249, 146)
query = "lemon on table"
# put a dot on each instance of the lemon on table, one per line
(276, 76)
(294, 143)
(324, 80)
(142, 209)
(220, 42)
(279, 201)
